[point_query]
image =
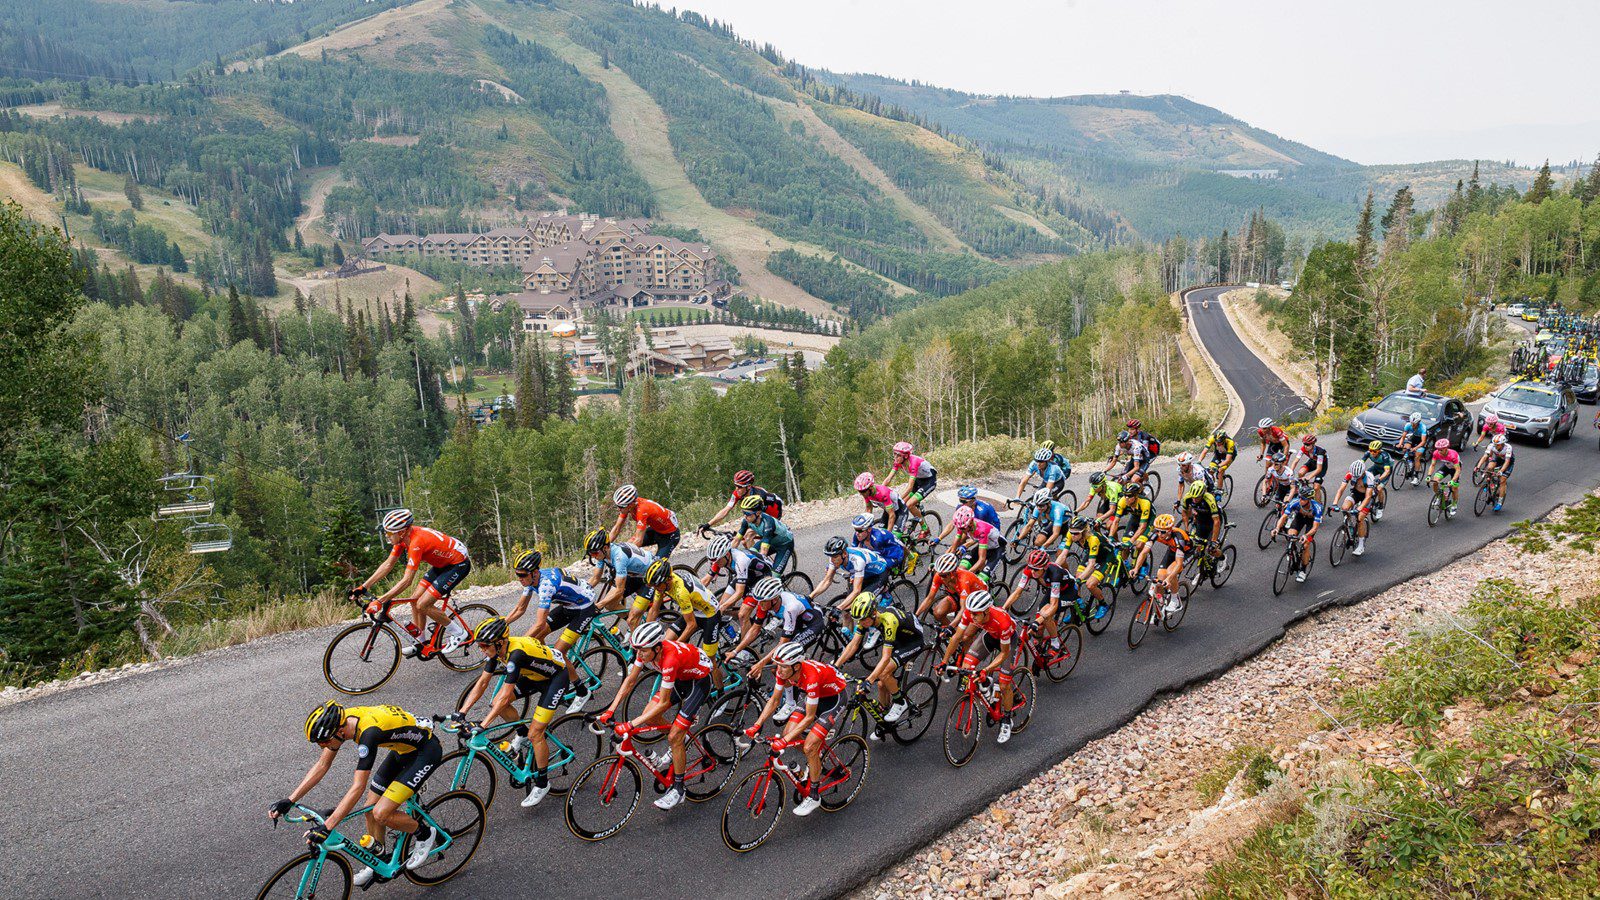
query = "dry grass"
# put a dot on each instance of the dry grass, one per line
(14, 185)
(267, 619)
(57, 111)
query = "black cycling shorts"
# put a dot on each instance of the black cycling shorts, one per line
(573, 617)
(808, 631)
(690, 696)
(400, 774)
(664, 543)
(443, 579)
(924, 486)
(906, 647)
(549, 689)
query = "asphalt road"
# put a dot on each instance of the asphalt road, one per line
(1261, 391)
(157, 784)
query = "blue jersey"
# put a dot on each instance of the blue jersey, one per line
(556, 589)
(884, 543)
(626, 560)
(1047, 516)
(1310, 508)
(859, 561)
(984, 511)
(1049, 472)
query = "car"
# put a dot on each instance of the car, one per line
(1442, 416)
(1530, 314)
(1534, 409)
(1515, 309)
(1587, 387)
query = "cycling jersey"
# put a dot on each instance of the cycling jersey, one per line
(747, 566)
(795, 612)
(1049, 474)
(655, 517)
(1175, 539)
(1413, 434)
(425, 545)
(914, 466)
(1359, 485)
(1110, 492)
(1316, 459)
(1283, 475)
(1273, 435)
(529, 659)
(861, 562)
(630, 561)
(984, 511)
(1193, 473)
(556, 588)
(676, 662)
(898, 627)
(768, 531)
(1379, 463)
(1498, 454)
(1049, 516)
(1143, 509)
(1223, 448)
(882, 542)
(999, 624)
(386, 727)
(772, 502)
(815, 679)
(1205, 504)
(982, 534)
(1491, 429)
(1304, 509)
(1450, 458)
(688, 594)
(961, 582)
(1135, 451)
(1097, 549)
(1054, 578)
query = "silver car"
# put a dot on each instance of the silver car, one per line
(1534, 409)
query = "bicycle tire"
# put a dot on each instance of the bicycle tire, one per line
(762, 792)
(1152, 483)
(1110, 607)
(385, 646)
(1222, 570)
(903, 594)
(1280, 575)
(467, 657)
(1260, 495)
(633, 704)
(1028, 600)
(798, 583)
(476, 776)
(922, 704)
(715, 741)
(1339, 546)
(963, 731)
(1480, 500)
(1066, 658)
(932, 519)
(1477, 476)
(1139, 625)
(573, 731)
(627, 783)
(473, 825)
(1171, 620)
(606, 667)
(1022, 711)
(1014, 548)
(1264, 533)
(1227, 489)
(850, 752)
(1435, 509)
(338, 862)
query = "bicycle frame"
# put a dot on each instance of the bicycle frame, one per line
(336, 842)
(773, 766)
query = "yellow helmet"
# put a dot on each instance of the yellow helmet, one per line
(490, 631)
(863, 605)
(1165, 521)
(658, 572)
(751, 503)
(324, 721)
(1375, 445)
(1194, 491)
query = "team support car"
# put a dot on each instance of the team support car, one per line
(1444, 417)
(1535, 409)
(1587, 386)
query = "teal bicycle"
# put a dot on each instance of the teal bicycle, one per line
(323, 871)
(471, 767)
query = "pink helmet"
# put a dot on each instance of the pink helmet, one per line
(864, 481)
(962, 517)
(903, 447)
(1491, 419)
(1442, 444)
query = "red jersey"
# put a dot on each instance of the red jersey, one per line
(678, 662)
(432, 547)
(655, 517)
(999, 625)
(961, 582)
(1273, 435)
(816, 679)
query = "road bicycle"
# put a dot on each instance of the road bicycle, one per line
(1290, 564)
(1152, 609)
(1439, 505)
(1487, 492)
(864, 714)
(472, 767)
(604, 796)
(980, 700)
(757, 803)
(1344, 537)
(323, 871)
(365, 655)
(733, 682)
(1223, 490)
(897, 592)
(1055, 661)
(1269, 522)
(1208, 566)
(1405, 470)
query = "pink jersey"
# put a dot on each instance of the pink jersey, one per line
(913, 465)
(1448, 457)
(880, 495)
(1492, 429)
(983, 534)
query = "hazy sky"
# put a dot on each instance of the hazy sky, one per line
(1394, 81)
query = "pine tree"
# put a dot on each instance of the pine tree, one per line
(344, 550)
(338, 254)
(1591, 185)
(1364, 246)
(299, 243)
(1542, 184)
(318, 256)
(238, 328)
(130, 189)
(1474, 190)
(1396, 222)
(263, 281)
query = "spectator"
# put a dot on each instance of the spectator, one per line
(1414, 385)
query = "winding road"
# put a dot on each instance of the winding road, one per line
(157, 784)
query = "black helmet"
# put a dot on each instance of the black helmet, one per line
(596, 541)
(1096, 479)
(1079, 523)
(490, 631)
(834, 546)
(528, 562)
(324, 721)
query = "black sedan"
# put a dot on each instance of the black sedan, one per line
(1587, 387)
(1536, 410)
(1442, 416)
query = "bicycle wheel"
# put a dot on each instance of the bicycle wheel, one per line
(1171, 620)
(1139, 625)
(732, 708)
(1059, 662)
(1264, 533)
(1227, 489)
(753, 811)
(1339, 546)
(962, 731)
(1028, 600)
(904, 594)
(845, 762)
(1435, 508)
(1481, 499)
(467, 657)
(922, 702)
(713, 757)
(1152, 485)
(1024, 700)
(1260, 496)
(1101, 612)
(603, 669)
(1280, 576)
(1014, 548)
(361, 658)
(1222, 569)
(469, 771)
(307, 876)
(932, 519)
(798, 583)
(578, 748)
(462, 816)
(1477, 475)
(603, 798)
(1069, 498)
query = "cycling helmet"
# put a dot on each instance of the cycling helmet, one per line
(1279, 457)
(658, 572)
(490, 631)
(528, 562)
(766, 589)
(1037, 559)
(1264, 424)
(1308, 440)
(648, 635)
(751, 503)
(1442, 444)
(1416, 418)
(1042, 455)
(596, 541)
(625, 496)
(744, 478)
(1375, 446)
(903, 447)
(1122, 437)
(1134, 424)
(1195, 490)
(962, 517)
(720, 546)
(1219, 434)
(324, 721)
(834, 546)
(1357, 469)
(1049, 445)
(1041, 497)
(967, 492)
(1491, 419)
(397, 520)
(864, 481)
(1185, 458)
(1305, 491)
(946, 563)
(861, 522)
(1096, 479)
(1078, 524)
(1165, 521)
(1499, 440)
(789, 654)
(863, 605)
(978, 601)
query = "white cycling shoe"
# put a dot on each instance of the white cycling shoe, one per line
(364, 877)
(454, 638)
(670, 799)
(896, 712)
(421, 848)
(807, 806)
(1005, 732)
(535, 794)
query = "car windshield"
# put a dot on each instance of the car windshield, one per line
(1591, 372)
(1520, 393)
(1402, 405)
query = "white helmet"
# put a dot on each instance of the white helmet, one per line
(1357, 469)
(946, 563)
(1499, 440)
(978, 601)
(1264, 424)
(789, 654)
(1416, 418)
(1041, 496)
(397, 520)
(625, 496)
(766, 589)
(1185, 458)
(648, 635)
(720, 546)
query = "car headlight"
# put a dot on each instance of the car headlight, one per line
(1358, 424)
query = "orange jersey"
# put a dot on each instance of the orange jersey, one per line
(655, 517)
(432, 547)
(999, 624)
(961, 582)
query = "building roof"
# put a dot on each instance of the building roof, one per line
(533, 303)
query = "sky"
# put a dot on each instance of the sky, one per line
(1376, 82)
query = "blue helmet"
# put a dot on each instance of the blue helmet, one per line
(861, 521)
(967, 492)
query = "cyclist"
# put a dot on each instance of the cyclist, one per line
(761, 532)
(1152, 446)
(1178, 548)
(985, 546)
(564, 603)
(983, 510)
(1052, 477)
(1137, 457)
(654, 524)
(531, 667)
(1356, 492)
(1448, 464)
(900, 637)
(796, 619)
(1046, 520)
(1139, 510)
(685, 672)
(744, 567)
(1190, 471)
(823, 687)
(1380, 465)
(882, 497)
(949, 582)
(920, 474)
(1223, 452)
(448, 564)
(1303, 516)
(1488, 429)
(978, 614)
(694, 602)
(1107, 490)
(1099, 557)
(744, 485)
(1202, 515)
(413, 752)
(1058, 583)
(861, 569)
(626, 563)
(1280, 476)
(1413, 441)
(878, 540)
(1314, 460)
(1498, 458)
(1273, 439)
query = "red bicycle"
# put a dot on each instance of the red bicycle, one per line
(980, 699)
(757, 803)
(364, 655)
(604, 796)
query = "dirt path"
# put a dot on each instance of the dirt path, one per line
(319, 182)
(36, 203)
